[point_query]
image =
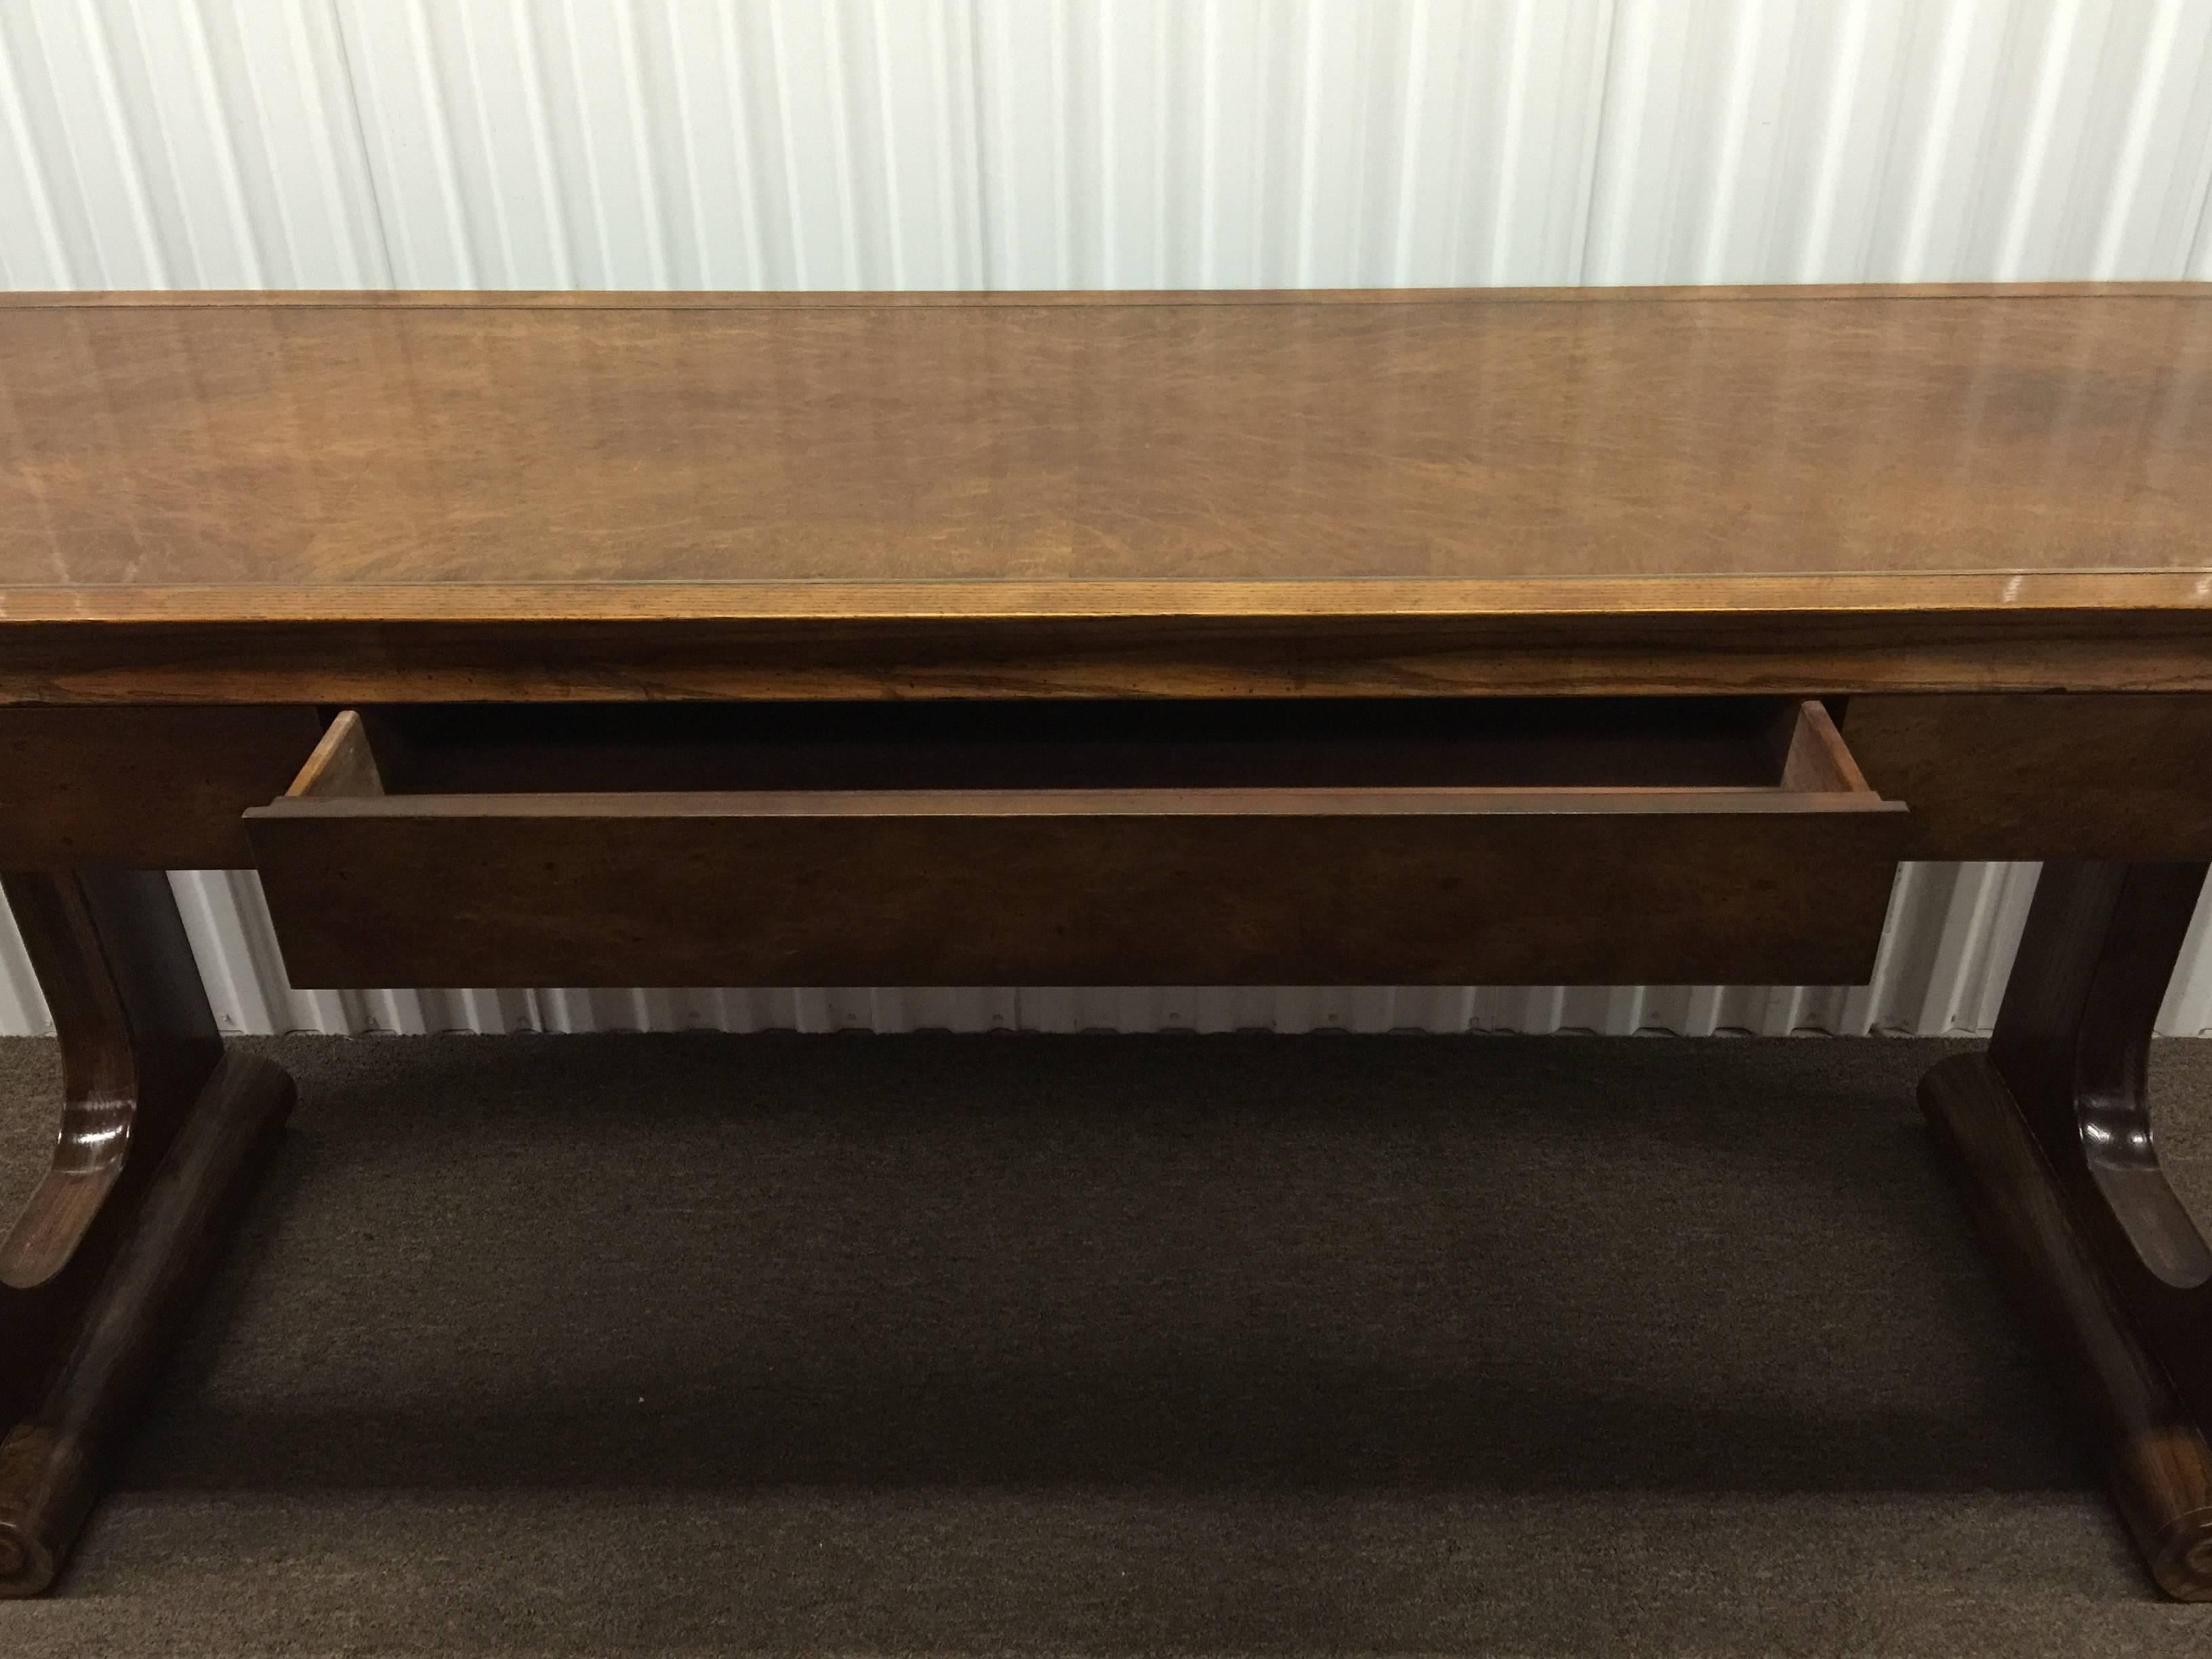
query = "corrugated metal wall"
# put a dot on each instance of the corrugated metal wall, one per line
(1076, 143)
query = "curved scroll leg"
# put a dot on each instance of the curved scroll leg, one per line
(160, 1135)
(2052, 1140)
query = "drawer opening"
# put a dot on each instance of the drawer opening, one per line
(1745, 747)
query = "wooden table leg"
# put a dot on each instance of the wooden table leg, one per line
(2052, 1145)
(162, 1134)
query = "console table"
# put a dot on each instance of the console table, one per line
(1100, 639)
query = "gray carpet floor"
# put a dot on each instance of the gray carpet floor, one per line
(1104, 1345)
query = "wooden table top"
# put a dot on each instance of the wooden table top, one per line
(1762, 468)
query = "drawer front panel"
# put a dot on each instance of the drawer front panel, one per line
(580, 897)
(2043, 776)
(143, 789)
(1352, 846)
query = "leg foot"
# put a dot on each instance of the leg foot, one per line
(138, 1042)
(2050, 1137)
(162, 1134)
(2156, 1459)
(50, 1466)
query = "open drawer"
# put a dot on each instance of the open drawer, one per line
(1318, 841)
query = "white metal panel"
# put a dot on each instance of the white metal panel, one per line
(22, 1009)
(1887, 141)
(1111, 144)
(661, 144)
(1250, 144)
(176, 144)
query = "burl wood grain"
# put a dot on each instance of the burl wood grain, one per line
(150, 447)
(1391, 492)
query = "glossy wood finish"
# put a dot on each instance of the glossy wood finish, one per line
(61, 808)
(756, 496)
(1345, 437)
(907, 511)
(2053, 1139)
(2139, 634)
(137, 1041)
(1282, 866)
(53, 1462)
(102, 1263)
(2157, 1461)
(2043, 776)
(99, 1268)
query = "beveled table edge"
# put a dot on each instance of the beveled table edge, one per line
(522, 605)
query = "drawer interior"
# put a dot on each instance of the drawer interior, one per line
(1748, 745)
